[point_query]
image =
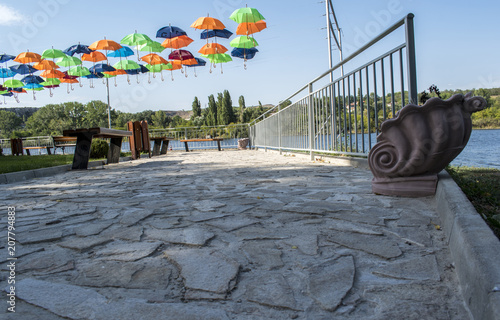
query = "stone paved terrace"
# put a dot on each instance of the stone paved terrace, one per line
(225, 235)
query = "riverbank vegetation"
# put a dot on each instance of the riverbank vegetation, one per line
(482, 188)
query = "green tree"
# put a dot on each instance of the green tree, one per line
(196, 108)
(8, 123)
(241, 102)
(220, 109)
(51, 119)
(212, 111)
(97, 114)
(160, 119)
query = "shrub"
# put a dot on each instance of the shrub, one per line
(99, 149)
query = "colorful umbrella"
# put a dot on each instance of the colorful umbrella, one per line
(53, 74)
(28, 57)
(68, 61)
(45, 65)
(23, 69)
(136, 39)
(6, 57)
(200, 63)
(218, 58)
(51, 83)
(107, 45)
(170, 32)
(121, 53)
(248, 28)
(244, 15)
(126, 65)
(243, 42)
(153, 59)
(151, 46)
(180, 55)
(77, 48)
(78, 71)
(101, 67)
(13, 83)
(6, 73)
(226, 34)
(32, 79)
(212, 48)
(208, 23)
(141, 69)
(94, 56)
(69, 80)
(52, 54)
(177, 42)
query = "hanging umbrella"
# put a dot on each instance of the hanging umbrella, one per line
(251, 27)
(77, 48)
(52, 54)
(151, 46)
(13, 83)
(91, 76)
(33, 86)
(212, 48)
(101, 67)
(45, 65)
(78, 71)
(121, 53)
(51, 83)
(224, 33)
(199, 63)
(136, 39)
(243, 42)
(23, 69)
(208, 23)
(69, 80)
(94, 56)
(52, 74)
(126, 65)
(218, 58)
(180, 55)
(6, 57)
(32, 79)
(113, 74)
(177, 42)
(141, 69)
(244, 53)
(107, 45)
(28, 57)
(244, 15)
(6, 73)
(170, 32)
(68, 61)
(153, 59)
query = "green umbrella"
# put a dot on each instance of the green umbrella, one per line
(68, 61)
(245, 42)
(78, 71)
(13, 83)
(51, 82)
(151, 46)
(243, 15)
(218, 58)
(53, 53)
(109, 75)
(135, 39)
(156, 67)
(126, 65)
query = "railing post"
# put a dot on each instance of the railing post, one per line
(279, 131)
(310, 121)
(410, 59)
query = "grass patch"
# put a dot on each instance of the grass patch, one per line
(482, 188)
(21, 163)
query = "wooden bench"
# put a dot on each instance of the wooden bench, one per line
(63, 142)
(32, 148)
(201, 140)
(17, 148)
(84, 140)
(160, 145)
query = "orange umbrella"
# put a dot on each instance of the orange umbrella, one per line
(46, 65)
(105, 45)
(28, 57)
(94, 56)
(177, 42)
(116, 72)
(247, 28)
(208, 23)
(189, 62)
(52, 73)
(212, 48)
(154, 59)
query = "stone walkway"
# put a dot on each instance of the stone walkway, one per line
(224, 235)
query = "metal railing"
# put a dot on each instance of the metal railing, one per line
(344, 116)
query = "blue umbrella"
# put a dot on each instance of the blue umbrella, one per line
(32, 79)
(6, 73)
(23, 69)
(77, 48)
(170, 32)
(32, 86)
(200, 63)
(216, 33)
(8, 94)
(101, 67)
(5, 57)
(244, 53)
(141, 69)
(94, 76)
(123, 52)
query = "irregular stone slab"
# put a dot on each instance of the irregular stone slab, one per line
(412, 219)
(190, 236)
(45, 261)
(84, 244)
(271, 289)
(75, 302)
(91, 229)
(126, 251)
(200, 216)
(232, 223)
(264, 254)
(321, 195)
(355, 228)
(132, 216)
(39, 236)
(205, 270)
(257, 232)
(207, 205)
(377, 245)
(237, 209)
(306, 243)
(330, 281)
(162, 223)
(125, 233)
(415, 235)
(421, 268)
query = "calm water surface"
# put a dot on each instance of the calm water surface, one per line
(483, 150)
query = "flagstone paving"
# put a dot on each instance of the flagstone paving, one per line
(225, 235)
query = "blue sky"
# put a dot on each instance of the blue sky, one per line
(456, 41)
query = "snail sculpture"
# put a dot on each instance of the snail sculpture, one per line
(419, 142)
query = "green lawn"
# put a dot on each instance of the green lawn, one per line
(21, 163)
(482, 188)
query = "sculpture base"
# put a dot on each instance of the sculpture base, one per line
(419, 186)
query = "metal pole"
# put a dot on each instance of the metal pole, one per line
(109, 108)
(310, 121)
(410, 59)
(329, 31)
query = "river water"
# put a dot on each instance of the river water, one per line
(483, 150)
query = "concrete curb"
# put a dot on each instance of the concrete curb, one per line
(474, 249)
